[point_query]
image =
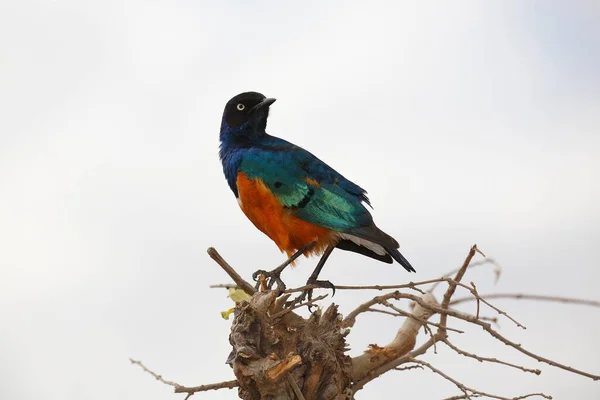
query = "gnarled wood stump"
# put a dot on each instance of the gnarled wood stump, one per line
(277, 354)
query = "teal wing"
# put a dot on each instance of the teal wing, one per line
(319, 202)
(334, 208)
(318, 194)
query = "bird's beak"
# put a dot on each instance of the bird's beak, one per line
(265, 103)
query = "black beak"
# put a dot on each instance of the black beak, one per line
(265, 103)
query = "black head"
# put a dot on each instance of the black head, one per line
(248, 110)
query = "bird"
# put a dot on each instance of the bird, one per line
(298, 201)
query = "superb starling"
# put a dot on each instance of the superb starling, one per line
(301, 203)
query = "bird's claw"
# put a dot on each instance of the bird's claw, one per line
(272, 277)
(306, 294)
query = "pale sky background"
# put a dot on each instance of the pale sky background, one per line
(467, 122)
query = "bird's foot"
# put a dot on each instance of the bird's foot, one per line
(275, 275)
(271, 277)
(306, 294)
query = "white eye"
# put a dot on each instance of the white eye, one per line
(241, 107)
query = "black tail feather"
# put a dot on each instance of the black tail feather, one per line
(373, 234)
(400, 258)
(349, 245)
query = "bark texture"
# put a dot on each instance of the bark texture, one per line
(277, 354)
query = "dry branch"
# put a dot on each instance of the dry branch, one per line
(278, 354)
(522, 296)
(239, 281)
(488, 359)
(403, 342)
(470, 392)
(185, 389)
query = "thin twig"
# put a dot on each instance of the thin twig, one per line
(408, 367)
(402, 313)
(493, 360)
(477, 297)
(203, 388)
(245, 286)
(485, 261)
(421, 320)
(154, 374)
(224, 286)
(185, 389)
(459, 385)
(295, 306)
(488, 328)
(409, 285)
(452, 288)
(469, 392)
(376, 310)
(521, 296)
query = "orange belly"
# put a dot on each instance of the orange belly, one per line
(280, 224)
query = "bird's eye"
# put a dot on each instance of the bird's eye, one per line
(241, 107)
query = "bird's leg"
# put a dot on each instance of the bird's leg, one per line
(275, 275)
(312, 280)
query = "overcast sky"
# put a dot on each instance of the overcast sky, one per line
(467, 122)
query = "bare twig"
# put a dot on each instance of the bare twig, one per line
(477, 297)
(204, 388)
(410, 285)
(224, 286)
(452, 288)
(459, 385)
(493, 360)
(240, 282)
(408, 368)
(521, 296)
(185, 389)
(376, 310)
(154, 374)
(296, 306)
(421, 320)
(488, 328)
(470, 392)
(485, 261)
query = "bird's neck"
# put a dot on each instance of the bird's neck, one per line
(243, 135)
(235, 141)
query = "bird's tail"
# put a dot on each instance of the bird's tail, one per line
(396, 255)
(385, 242)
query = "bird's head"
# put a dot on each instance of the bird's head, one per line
(245, 115)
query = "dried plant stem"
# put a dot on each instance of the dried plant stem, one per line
(185, 389)
(470, 392)
(493, 360)
(522, 296)
(452, 288)
(239, 281)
